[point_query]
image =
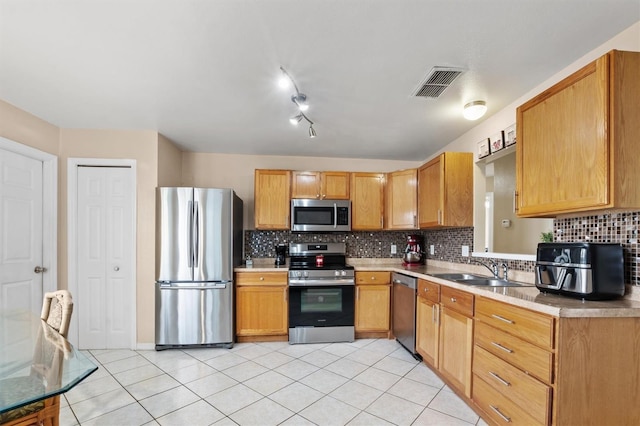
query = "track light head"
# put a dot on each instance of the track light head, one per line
(295, 119)
(300, 99)
(312, 132)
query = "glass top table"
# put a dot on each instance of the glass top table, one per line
(35, 361)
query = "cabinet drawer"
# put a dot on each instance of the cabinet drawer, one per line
(429, 290)
(459, 301)
(532, 326)
(373, 277)
(530, 358)
(261, 278)
(501, 410)
(532, 395)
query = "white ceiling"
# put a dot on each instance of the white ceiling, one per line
(203, 72)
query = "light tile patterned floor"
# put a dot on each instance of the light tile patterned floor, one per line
(367, 382)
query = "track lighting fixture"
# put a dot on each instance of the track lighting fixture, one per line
(300, 99)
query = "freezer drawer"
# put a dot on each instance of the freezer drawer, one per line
(194, 314)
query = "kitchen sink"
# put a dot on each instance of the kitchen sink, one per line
(457, 277)
(479, 280)
(491, 282)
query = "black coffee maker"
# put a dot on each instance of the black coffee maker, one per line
(281, 254)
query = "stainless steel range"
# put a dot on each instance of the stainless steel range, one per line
(321, 294)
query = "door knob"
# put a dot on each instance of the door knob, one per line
(40, 269)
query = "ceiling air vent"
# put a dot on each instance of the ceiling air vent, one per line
(438, 79)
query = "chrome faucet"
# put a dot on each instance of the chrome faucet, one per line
(493, 268)
(505, 271)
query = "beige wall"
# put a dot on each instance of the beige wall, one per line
(20, 126)
(169, 163)
(236, 171)
(142, 147)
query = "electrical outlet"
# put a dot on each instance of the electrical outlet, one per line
(432, 249)
(394, 249)
(465, 251)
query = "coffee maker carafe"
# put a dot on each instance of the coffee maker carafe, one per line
(413, 254)
(281, 254)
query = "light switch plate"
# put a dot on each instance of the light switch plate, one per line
(394, 249)
(465, 251)
(432, 249)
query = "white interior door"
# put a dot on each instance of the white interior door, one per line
(105, 242)
(21, 247)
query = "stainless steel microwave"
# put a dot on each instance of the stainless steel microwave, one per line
(320, 215)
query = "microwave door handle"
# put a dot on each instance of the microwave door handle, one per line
(335, 215)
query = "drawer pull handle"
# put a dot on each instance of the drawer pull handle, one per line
(499, 346)
(498, 317)
(505, 418)
(500, 379)
(453, 299)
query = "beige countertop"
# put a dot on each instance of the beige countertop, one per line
(526, 297)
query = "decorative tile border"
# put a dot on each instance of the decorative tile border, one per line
(619, 227)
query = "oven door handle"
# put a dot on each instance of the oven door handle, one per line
(323, 283)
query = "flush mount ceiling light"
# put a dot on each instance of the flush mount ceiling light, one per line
(474, 110)
(300, 99)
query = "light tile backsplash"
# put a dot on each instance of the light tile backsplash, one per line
(603, 228)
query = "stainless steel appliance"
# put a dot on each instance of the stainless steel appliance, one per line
(593, 271)
(404, 311)
(199, 235)
(320, 215)
(321, 294)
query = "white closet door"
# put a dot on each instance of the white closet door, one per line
(20, 232)
(105, 249)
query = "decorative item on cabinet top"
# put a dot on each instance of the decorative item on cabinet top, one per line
(497, 142)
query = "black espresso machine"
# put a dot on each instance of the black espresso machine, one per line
(591, 271)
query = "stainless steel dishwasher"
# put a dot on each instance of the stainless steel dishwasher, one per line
(404, 311)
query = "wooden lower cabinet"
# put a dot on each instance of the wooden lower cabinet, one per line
(261, 306)
(428, 322)
(373, 304)
(456, 346)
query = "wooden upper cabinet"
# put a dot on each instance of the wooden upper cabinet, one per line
(320, 185)
(401, 211)
(577, 141)
(271, 197)
(367, 201)
(445, 191)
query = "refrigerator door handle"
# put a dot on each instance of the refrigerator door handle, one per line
(216, 286)
(190, 231)
(196, 235)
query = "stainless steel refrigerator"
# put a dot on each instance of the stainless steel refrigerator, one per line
(199, 241)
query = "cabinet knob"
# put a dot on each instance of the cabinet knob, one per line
(373, 278)
(261, 278)
(426, 290)
(453, 299)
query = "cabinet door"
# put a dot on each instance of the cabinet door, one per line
(456, 339)
(445, 191)
(367, 201)
(373, 304)
(402, 200)
(305, 185)
(428, 330)
(271, 195)
(261, 310)
(562, 152)
(430, 193)
(335, 185)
